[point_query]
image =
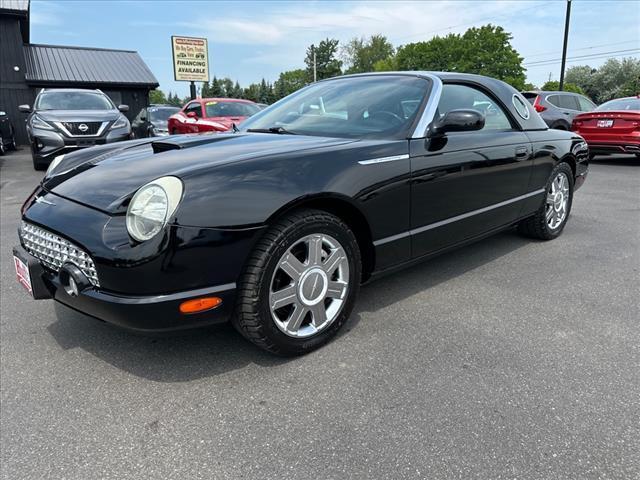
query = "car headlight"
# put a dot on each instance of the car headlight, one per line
(120, 122)
(52, 166)
(152, 206)
(37, 122)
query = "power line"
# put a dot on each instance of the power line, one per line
(580, 60)
(584, 48)
(583, 57)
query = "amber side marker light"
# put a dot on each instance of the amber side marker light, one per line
(200, 304)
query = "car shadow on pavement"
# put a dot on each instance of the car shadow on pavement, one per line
(217, 350)
(617, 160)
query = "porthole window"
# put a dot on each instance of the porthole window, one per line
(521, 107)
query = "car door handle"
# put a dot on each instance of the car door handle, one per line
(522, 152)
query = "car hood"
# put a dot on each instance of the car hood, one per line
(78, 115)
(106, 177)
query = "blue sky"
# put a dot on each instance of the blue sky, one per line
(251, 40)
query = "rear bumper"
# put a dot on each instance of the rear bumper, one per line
(611, 148)
(150, 314)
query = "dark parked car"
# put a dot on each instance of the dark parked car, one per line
(275, 225)
(66, 119)
(7, 134)
(152, 121)
(558, 109)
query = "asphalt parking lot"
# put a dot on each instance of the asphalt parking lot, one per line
(507, 359)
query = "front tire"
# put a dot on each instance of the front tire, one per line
(300, 283)
(549, 220)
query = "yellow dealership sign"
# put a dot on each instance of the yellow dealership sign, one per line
(190, 59)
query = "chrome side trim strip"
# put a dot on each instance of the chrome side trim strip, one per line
(441, 223)
(384, 159)
(432, 105)
(164, 298)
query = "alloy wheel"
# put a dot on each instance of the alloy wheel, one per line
(309, 286)
(557, 201)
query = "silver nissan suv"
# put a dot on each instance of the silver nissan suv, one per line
(66, 119)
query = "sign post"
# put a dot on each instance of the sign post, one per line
(190, 61)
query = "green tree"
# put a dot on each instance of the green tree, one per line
(238, 92)
(614, 79)
(440, 54)
(226, 85)
(361, 55)
(205, 91)
(157, 96)
(488, 51)
(387, 65)
(174, 100)
(252, 92)
(327, 63)
(483, 50)
(554, 85)
(215, 89)
(288, 82)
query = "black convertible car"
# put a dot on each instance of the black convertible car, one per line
(275, 225)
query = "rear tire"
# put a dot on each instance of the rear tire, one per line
(300, 283)
(549, 220)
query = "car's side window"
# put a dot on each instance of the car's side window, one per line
(455, 97)
(194, 107)
(586, 105)
(564, 101)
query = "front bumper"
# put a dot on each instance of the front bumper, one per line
(147, 313)
(47, 144)
(141, 286)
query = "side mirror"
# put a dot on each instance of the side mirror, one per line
(123, 108)
(192, 115)
(25, 108)
(462, 120)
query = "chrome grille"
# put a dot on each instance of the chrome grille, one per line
(54, 251)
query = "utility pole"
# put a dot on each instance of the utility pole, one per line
(564, 46)
(315, 73)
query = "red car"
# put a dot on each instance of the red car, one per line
(211, 115)
(613, 127)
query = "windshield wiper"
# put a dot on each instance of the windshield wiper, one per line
(278, 130)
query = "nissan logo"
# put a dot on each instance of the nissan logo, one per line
(83, 127)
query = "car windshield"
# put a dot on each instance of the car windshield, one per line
(620, 104)
(161, 114)
(73, 101)
(377, 106)
(217, 108)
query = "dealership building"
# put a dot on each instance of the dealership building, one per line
(25, 68)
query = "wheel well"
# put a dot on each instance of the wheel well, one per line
(349, 214)
(572, 163)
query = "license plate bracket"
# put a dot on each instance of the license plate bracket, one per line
(29, 273)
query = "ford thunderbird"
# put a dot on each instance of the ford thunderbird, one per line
(276, 224)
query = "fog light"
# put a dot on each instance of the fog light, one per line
(200, 304)
(73, 280)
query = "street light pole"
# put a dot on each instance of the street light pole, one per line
(564, 46)
(315, 74)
